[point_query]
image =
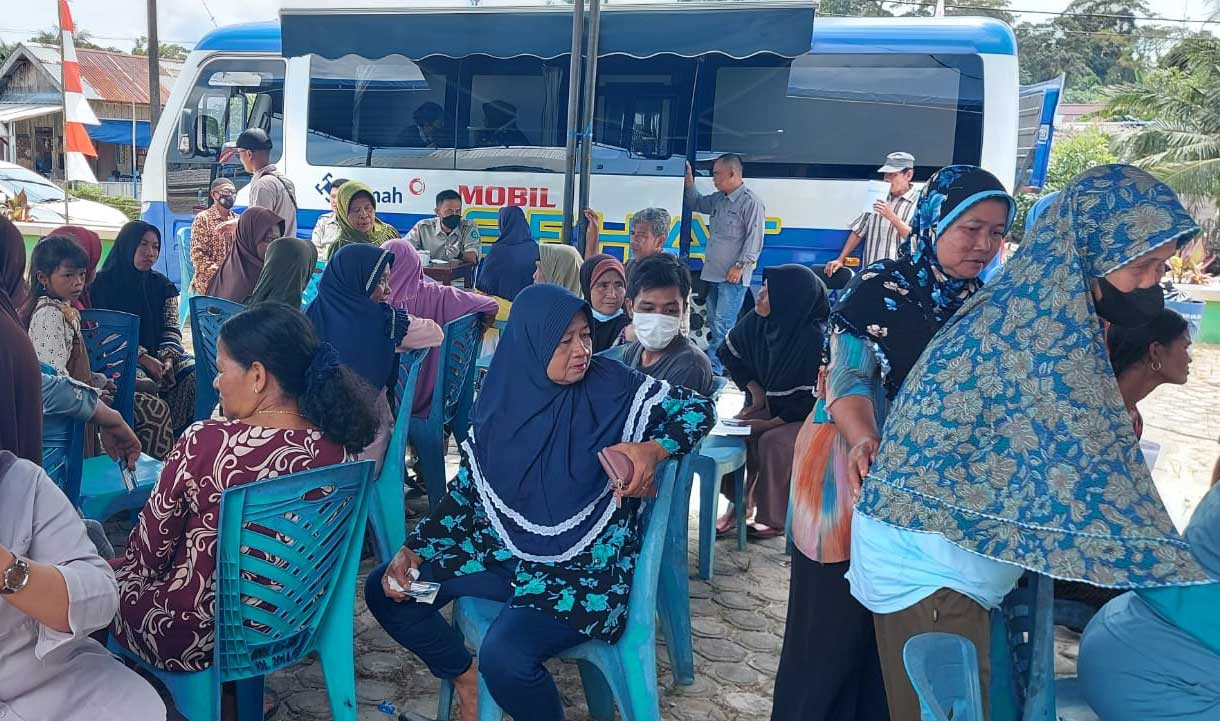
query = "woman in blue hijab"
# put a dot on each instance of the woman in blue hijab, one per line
(1154, 654)
(351, 314)
(513, 258)
(1009, 447)
(531, 518)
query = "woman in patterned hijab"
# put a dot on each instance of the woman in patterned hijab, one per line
(1010, 448)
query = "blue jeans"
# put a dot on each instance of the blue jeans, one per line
(514, 650)
(723, 304)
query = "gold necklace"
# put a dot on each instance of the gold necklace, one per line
(276, 413)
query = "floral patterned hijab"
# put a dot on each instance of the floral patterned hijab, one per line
(1011, 439)
(898, 305)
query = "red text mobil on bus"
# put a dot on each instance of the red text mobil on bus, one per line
(813, 105)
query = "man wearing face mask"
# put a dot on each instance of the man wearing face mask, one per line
(448, 236)
(212, 234)
(657, 289)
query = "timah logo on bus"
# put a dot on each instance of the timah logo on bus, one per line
(499, 195)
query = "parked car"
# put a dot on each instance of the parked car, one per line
(46, 200)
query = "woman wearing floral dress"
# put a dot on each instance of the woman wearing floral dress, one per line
(291, 406)
(531, 518)
(128, 283)
(829, 667)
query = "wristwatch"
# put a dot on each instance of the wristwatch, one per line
(15, 577)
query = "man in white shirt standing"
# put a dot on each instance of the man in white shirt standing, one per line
(448, 236)
(889, 223)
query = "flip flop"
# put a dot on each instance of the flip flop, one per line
(727, 530)
(760, 532)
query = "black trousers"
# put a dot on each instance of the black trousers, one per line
(829, 669)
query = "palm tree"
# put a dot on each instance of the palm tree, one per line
(1181, 102)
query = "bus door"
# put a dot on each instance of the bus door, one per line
(1035, 133)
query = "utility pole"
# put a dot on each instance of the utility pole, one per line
(154, 68)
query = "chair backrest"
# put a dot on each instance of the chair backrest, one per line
(455, 371)
(208, 314)
(719, 383)
(311, 288)
(615, 352)
(285, 547)
(63, 447)
(1023, 653)
(112, 342)
(944, 669)
(186, 268)
(386, 509)
(642, 605)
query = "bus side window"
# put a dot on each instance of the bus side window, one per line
(229, 95)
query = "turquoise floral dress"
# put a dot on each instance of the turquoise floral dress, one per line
(589, 592)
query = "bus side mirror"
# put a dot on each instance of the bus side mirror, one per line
(186, 134)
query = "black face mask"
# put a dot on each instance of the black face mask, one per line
(226, 201)
(1139, 307)
(451, 222)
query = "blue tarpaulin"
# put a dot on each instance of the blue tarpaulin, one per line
(118, 132)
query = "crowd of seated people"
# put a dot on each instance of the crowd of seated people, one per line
(938, 436)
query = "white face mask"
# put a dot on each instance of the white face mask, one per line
(656, 331)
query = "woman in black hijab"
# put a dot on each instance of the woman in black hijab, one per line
(774, 354)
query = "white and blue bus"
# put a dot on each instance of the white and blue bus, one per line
(812, 105)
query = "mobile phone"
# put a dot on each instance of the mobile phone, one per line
(129, 476)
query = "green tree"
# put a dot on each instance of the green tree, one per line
(1094, 43)
(1180, 101)
(853, 8)
(997, 9)
(1070, 156)
(80, 38)
(167, 51)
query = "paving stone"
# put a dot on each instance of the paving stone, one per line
(372, 691)
(710, 627)
(732, 582)
(379, 664)
(776, 612)
(770, 592)
(749, 704)
(766, 663)
(703, 687)
(310, 675)
(736, 674)
(735, 600)
(760, 641)
(704, 607)
(751, 620)
(719, 649)
(693, 709)
(311, 703)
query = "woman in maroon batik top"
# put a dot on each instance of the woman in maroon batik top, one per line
(291, 406)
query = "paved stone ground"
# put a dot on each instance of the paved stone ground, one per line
(738, 618)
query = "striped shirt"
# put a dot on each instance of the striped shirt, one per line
(879, 236)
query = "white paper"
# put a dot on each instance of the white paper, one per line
(876, 190)
(1151, 450)
(724, 428)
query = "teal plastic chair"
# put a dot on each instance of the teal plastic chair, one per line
(112, 346)
(291, 597)
(208, 314)
(622, 673)
(311, 288)
(944, 669)
(387, 509)
(673, 597)
(716, 457)
(186, 269)
(1023, 653)
(483, 362)
(452, 399)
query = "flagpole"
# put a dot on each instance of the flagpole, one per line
(63, 99)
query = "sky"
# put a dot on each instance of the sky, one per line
(118, 23)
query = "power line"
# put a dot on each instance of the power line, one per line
(1064, 13)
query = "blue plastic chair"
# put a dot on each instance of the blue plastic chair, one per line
(715, 458)
(311, 288)
(208, 314)
(63, 445)
(1023, 653)
(944, 669)
(112, 346)
(624, 672)
(304, 573)
(451, 401)
(186, 268)
(387, 509)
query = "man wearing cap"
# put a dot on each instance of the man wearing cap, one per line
(212, 234)
(268, 189)
(884, 228)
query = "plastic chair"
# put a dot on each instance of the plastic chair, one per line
(1023, 653)
(63, 445)
(186, 269)
(715, 458)
(112, 346)
(624, 672)
(944, 669)
(291, 597)
(208, 314)
(387, 509)
(451, 402)
(311, 288)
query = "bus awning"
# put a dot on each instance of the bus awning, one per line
(118, 132)
(738, 30)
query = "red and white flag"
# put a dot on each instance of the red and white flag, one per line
(77, 112)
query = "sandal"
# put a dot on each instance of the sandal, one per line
(759, 532)
(726, 524)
